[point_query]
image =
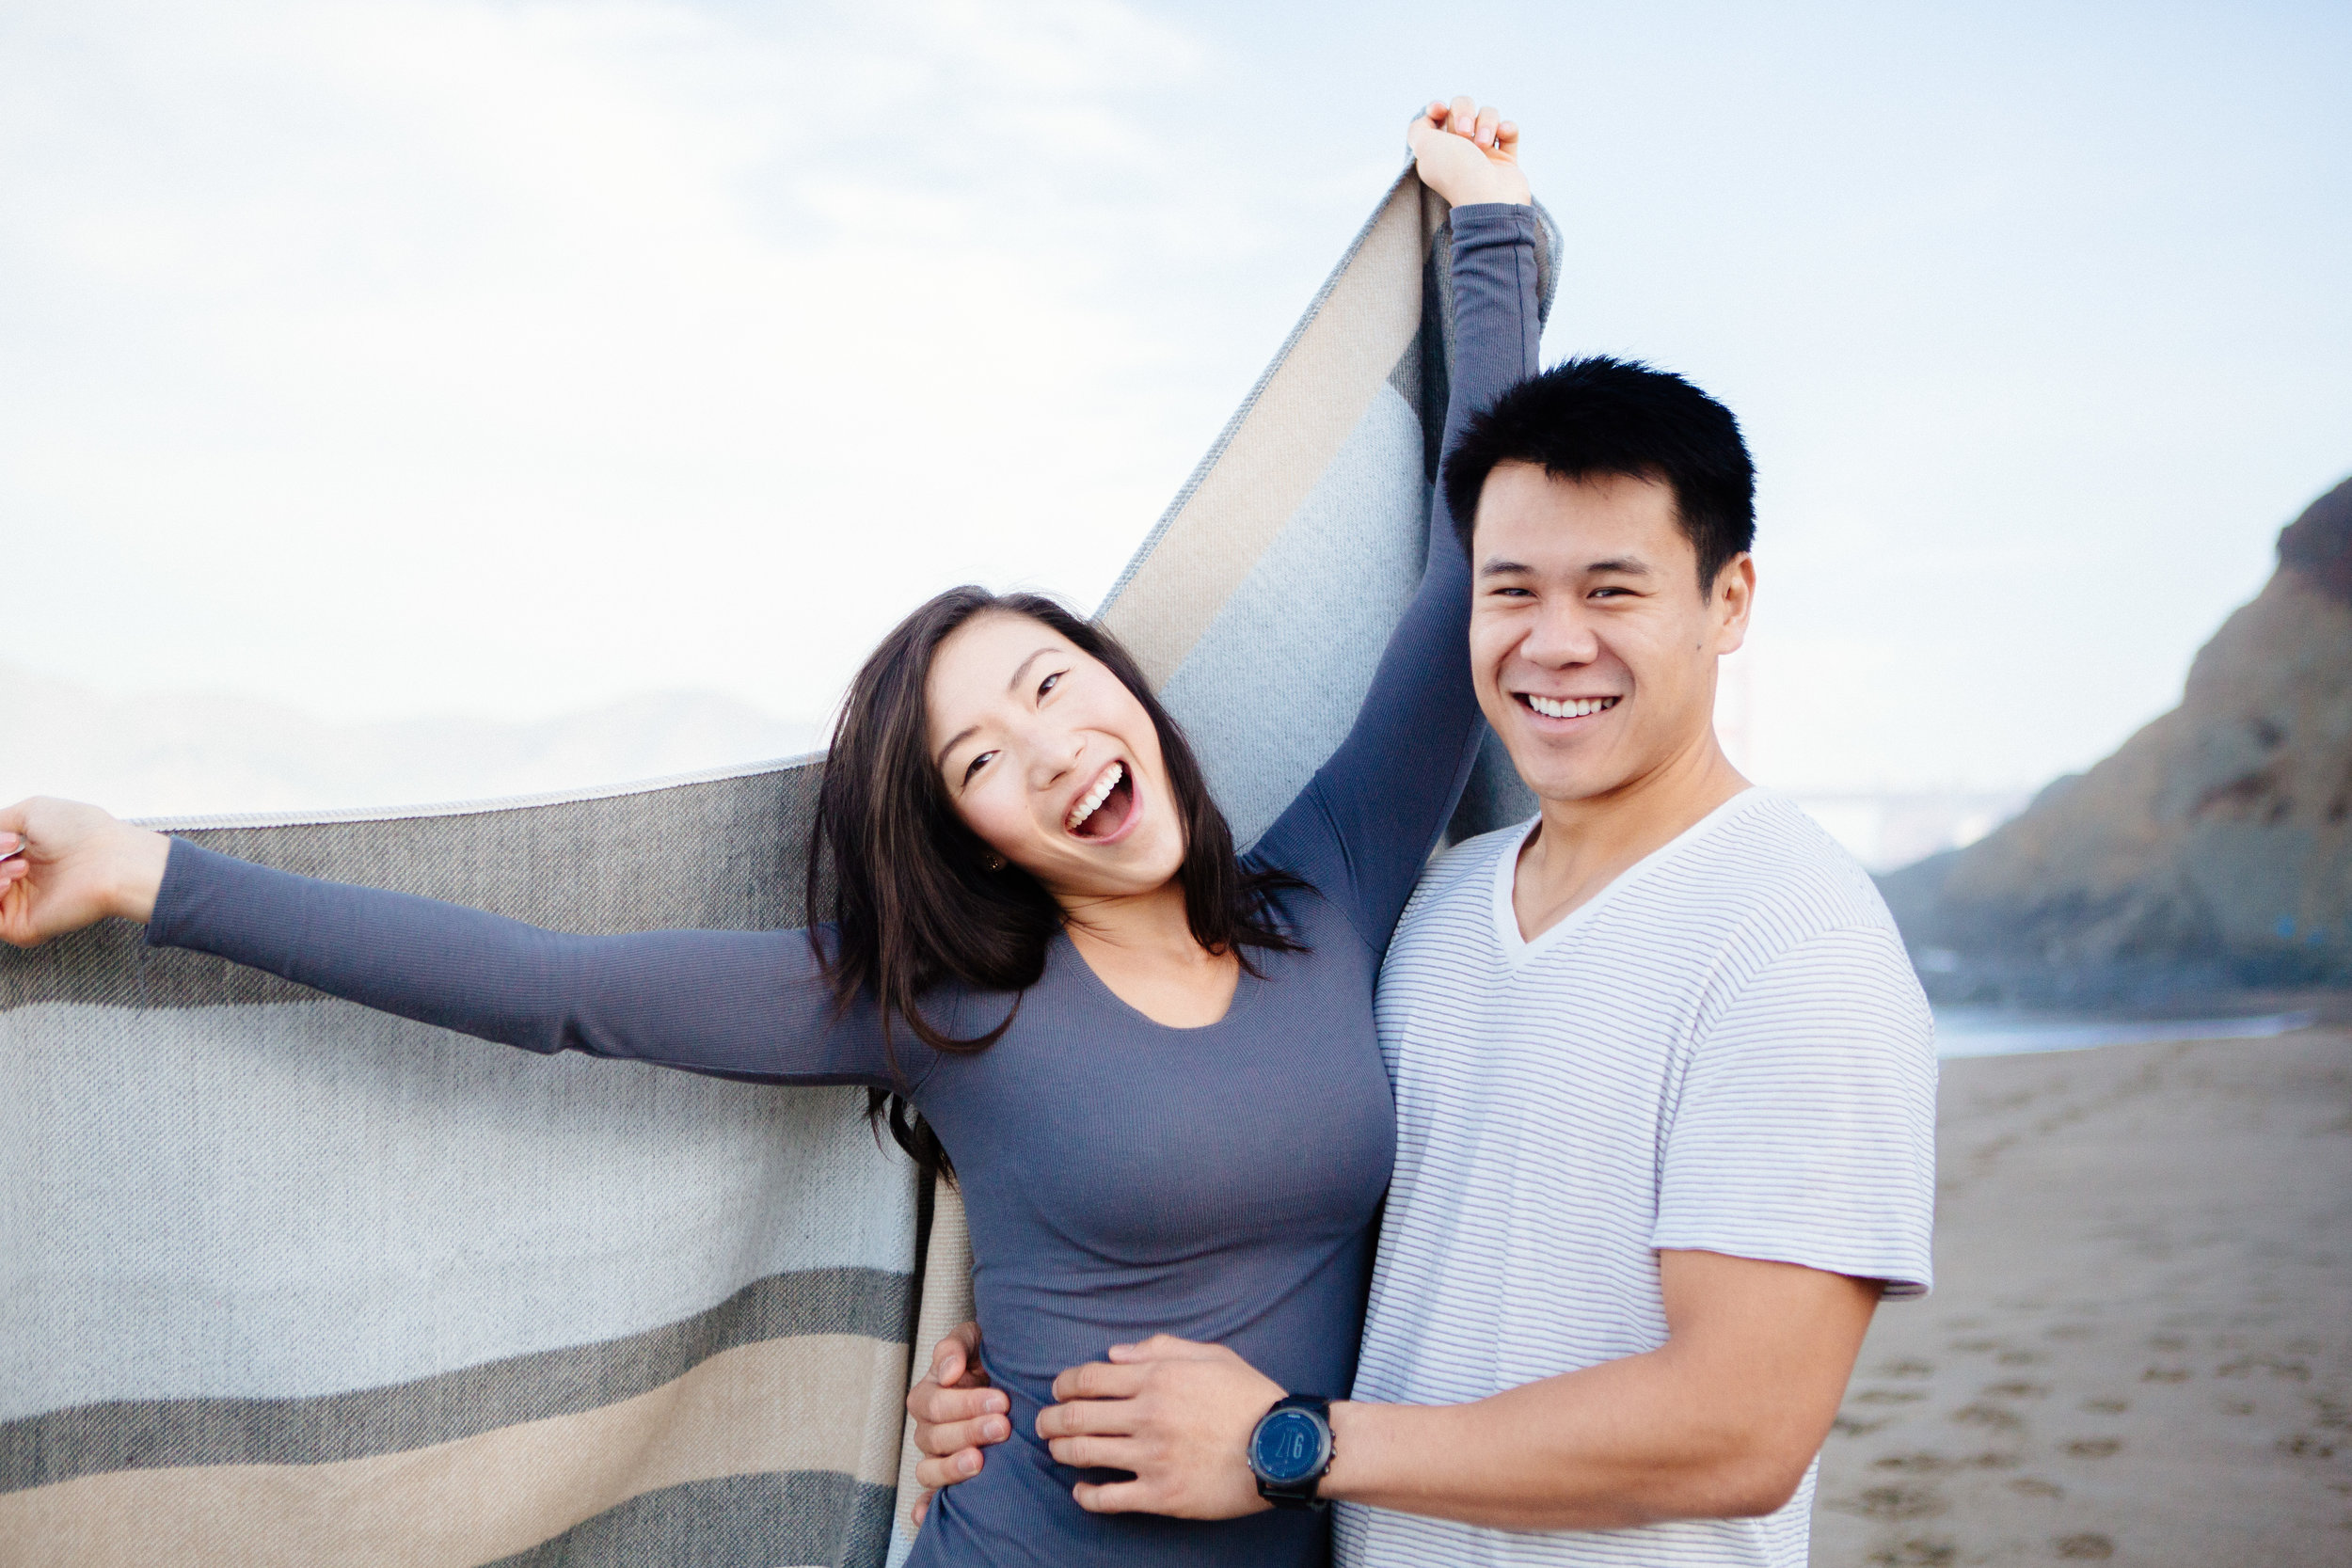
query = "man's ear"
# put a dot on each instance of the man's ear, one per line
(1731, 601)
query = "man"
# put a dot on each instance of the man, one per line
(1664, 1085)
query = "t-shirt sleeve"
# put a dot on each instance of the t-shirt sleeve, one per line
(1805, 1129)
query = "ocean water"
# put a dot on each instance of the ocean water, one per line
(2003, 1032)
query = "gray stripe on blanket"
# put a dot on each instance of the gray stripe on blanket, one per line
(162, 1434)
(805, 1517)
(722, 855)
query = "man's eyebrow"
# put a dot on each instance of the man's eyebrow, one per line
(1630, 566)
(1498, 567)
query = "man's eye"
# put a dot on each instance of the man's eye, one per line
(974, 765)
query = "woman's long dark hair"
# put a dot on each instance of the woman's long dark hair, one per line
(908, 886)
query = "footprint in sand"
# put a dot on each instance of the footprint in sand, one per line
(2017, 1391)
(2088, 1546)
(2165, 1374)
(1915, 1553)
(1982, 1415)
(1889, 1504)
(2096, 1448)
(2033, 1486)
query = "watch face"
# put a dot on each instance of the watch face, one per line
(1287, 1446)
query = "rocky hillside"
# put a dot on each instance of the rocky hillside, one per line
(2212, 851)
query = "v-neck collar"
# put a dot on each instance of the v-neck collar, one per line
(1518, 950)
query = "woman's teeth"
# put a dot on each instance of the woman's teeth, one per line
(1095, 797)
(1571, 707)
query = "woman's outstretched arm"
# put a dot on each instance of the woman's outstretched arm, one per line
(741, 1004)
(1364, 827)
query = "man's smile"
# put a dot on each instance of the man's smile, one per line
(1565, 707)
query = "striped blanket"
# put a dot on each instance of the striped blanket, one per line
(285, 1281)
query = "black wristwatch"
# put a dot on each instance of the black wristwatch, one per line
(1290, 1450)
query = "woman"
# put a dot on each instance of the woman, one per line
(1153, 1062)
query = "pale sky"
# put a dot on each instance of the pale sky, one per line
(449, 356)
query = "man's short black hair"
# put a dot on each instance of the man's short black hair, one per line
(1609, 416)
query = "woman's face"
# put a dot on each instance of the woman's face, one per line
(1051, 760)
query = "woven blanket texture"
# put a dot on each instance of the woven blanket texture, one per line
(287, 1282)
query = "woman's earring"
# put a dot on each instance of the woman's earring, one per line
(995, 862)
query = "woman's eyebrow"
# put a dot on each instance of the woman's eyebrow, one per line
(964, 735)
(1025, 666)
(955, 740)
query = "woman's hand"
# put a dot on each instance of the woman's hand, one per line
(956, 1414)
(1468, 155)
(72, 865)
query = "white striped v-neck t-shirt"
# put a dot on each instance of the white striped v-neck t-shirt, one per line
(1724, 1051)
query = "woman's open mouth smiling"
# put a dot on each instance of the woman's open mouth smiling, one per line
(1107, 809)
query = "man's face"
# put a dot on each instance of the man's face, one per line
(1592, 647)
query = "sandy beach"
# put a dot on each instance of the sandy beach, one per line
(2140, 1347)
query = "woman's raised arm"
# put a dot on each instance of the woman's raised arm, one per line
(740, 1004)
(1364, 827)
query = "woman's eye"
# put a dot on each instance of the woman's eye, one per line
(974, 765)
(1049, 683)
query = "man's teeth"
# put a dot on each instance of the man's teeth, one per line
(1095, 797)
(1571, 707)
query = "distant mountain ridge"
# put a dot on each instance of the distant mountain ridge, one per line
(198, 754)
(2213, 849)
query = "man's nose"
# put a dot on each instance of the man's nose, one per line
(1560, 637)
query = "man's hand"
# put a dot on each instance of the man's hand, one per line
(72, 865)
(1178, 1414)
(956, 1414)
(1468, 155)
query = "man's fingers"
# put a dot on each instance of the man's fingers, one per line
(931, 1406)
(1462, 118)
(1099, 1380)
(923, 1503)
(1119, 1497)
(956, 1355)
(947, 1469)
(1167, 1347)
(955, 1436)
(1097, 1453)
(1489, 117)
(1507, 138)
(1116, 1417)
